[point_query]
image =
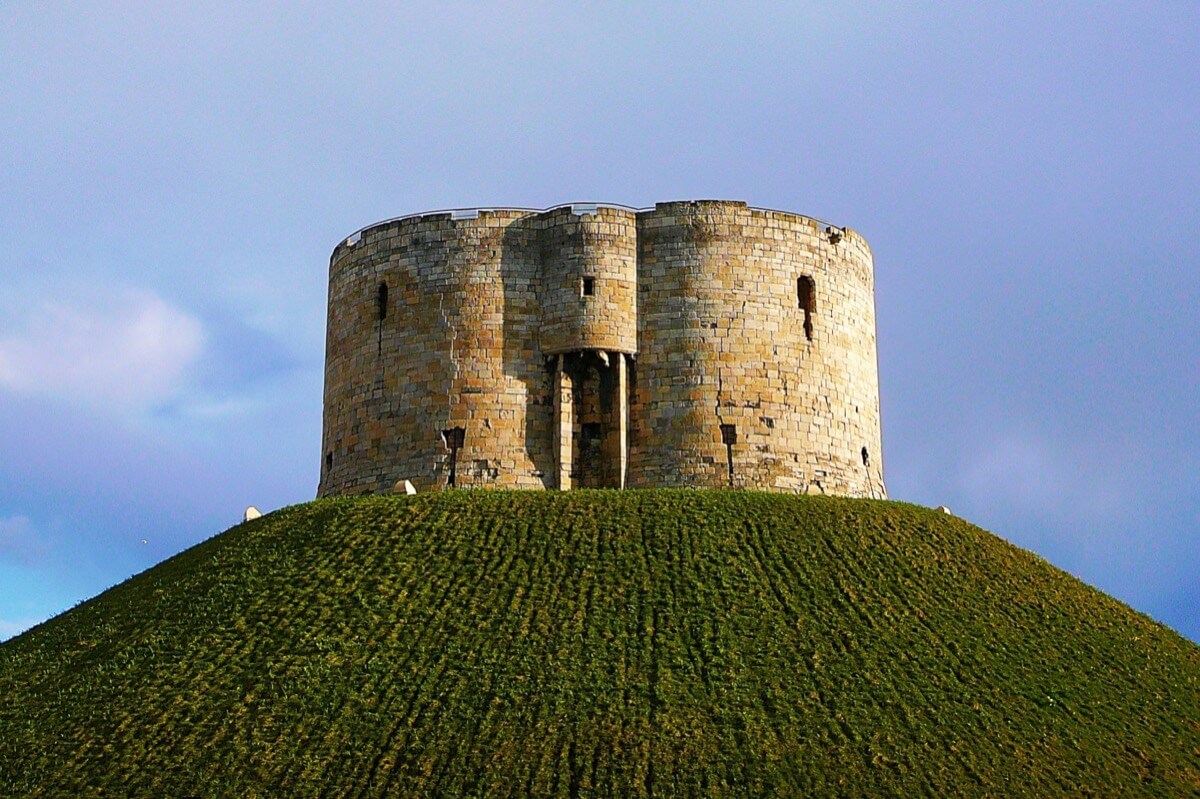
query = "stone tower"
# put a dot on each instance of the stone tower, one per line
(701, 343)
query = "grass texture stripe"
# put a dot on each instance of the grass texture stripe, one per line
(599, 643)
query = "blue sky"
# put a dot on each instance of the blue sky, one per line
(174, 177)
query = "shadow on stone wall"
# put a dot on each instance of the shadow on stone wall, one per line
(520, 271)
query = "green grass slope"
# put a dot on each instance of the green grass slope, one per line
(624, 644)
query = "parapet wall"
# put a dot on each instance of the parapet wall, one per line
(695, 343)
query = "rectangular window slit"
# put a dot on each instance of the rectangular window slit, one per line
(588, 287)
(381, 302)
(729, 438)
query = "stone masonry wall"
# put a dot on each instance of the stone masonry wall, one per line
(457, 348)
(600, 247)
(726, 315)
(723, 340)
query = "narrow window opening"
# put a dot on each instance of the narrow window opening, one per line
(381, 302)
(588, 287)
(806, 294)
(866, 456)
(729, 438)
(328, 461)
(454, 438)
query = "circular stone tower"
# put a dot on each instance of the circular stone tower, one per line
(702, 344)
(756, 353)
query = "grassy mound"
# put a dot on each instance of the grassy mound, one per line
(659, 643)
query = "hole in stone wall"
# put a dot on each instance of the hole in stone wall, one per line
(866, 456)
(806, 295)
(482, 468)
(729, 438)
(587, 287)
(381, 302)
(453, 438)
(328, 461)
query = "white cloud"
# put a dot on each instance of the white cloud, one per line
(119, 350)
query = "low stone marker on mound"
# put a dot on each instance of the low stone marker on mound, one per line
(251, 513)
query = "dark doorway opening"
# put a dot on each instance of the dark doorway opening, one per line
(595, 429)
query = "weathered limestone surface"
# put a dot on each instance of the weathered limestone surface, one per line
(603, 347)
